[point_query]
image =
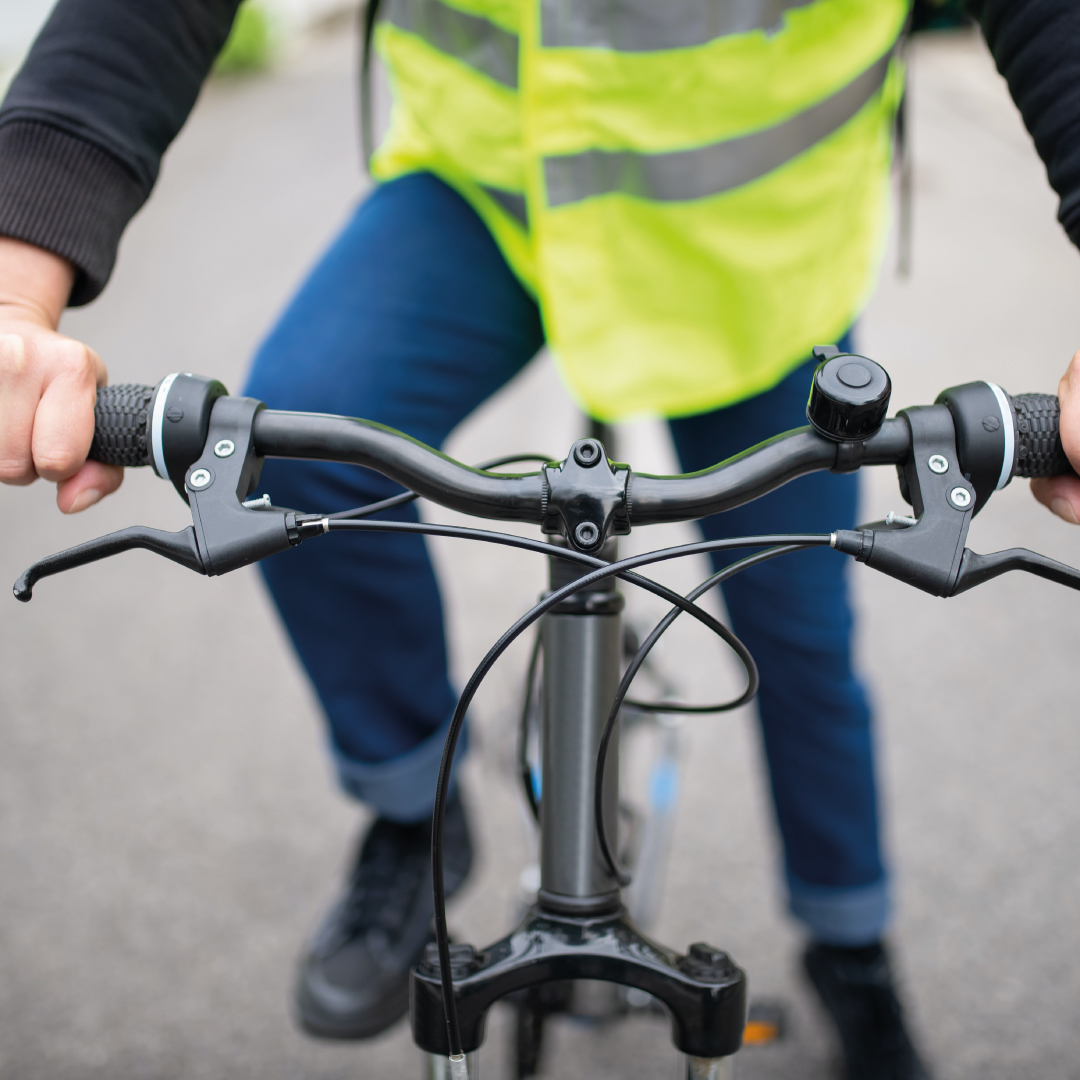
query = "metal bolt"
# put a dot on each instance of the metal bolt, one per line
(586, 534)
(200, 478)
(938, 464)
(224, 448)
(891, 518)
(960, 498)
(587, 453)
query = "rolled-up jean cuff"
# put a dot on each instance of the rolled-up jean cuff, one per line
(403, 788)
(856, 915)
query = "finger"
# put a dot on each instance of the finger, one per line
(19, 390)
(64, 422)
(1069, 396)
(1061, 494)
(89, 485)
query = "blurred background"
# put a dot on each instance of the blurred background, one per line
(169, 830)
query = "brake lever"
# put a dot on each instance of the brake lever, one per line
(224, 534)
(930, 553)
(976, 568)
(180, 547)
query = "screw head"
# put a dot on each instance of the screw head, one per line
(200, 478)
(960, 498)
(587, 453)
(938, 464)
(224, 448)
(586, 535)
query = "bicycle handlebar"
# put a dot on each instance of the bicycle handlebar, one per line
(132, 422)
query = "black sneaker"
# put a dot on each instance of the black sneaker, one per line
(354, 980)
(856, 987)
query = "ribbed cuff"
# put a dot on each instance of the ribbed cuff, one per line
(402, 789)
(65, 195)
(841, 916)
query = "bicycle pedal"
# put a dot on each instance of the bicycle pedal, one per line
(766, 1023)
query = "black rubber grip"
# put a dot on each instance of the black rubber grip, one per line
(1038, 444)
(122, 425)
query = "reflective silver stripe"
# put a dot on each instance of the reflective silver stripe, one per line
(157, 420)
(1007, 426)
(651, 25)
(511, 201)
(680, 175)
(477, 42)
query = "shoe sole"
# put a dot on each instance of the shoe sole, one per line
(314, 1021)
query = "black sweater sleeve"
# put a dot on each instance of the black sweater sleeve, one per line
(1036, 46)
(104, 90)
(109, 83)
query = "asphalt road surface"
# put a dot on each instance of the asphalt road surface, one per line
(169, 831)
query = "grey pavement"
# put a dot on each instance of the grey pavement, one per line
(169, 831)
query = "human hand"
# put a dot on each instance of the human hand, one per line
(48, 383)
(1062, 493)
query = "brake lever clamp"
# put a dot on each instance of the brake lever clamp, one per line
(225, 534)
(229, 534)
(928, 554)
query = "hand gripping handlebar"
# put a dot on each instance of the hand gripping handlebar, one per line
(211, 446)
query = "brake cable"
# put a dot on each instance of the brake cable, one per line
(621, 569)
(635, 666)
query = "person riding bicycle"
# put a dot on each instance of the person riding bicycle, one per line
(680, 199)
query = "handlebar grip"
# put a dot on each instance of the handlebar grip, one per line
(1038, 444)
(122, 425)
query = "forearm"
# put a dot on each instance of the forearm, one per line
(1036, 46)
(34, 284)
(103, 92)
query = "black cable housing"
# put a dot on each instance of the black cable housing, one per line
(621, 569)
(752, 683)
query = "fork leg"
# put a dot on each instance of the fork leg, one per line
(437, 1067)
(708, 1068)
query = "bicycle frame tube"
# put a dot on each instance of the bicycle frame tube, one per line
(582, 652)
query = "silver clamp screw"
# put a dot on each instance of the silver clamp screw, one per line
(225, 448)
(905, 520)
(200, 478)
(939, 465)
(960, 498)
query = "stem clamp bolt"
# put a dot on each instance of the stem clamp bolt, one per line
(224, 448)
(586, 535)
(587, 453)
(200, 478)
(939, 464)
(960, 498)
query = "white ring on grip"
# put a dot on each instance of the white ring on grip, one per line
(157, 450)
(1010, 434)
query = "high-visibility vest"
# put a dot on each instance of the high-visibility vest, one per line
(696, 191)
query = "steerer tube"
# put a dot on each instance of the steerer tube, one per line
(582, 650)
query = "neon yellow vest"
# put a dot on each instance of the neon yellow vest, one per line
(696, 191)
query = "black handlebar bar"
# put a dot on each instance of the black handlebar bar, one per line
(126, 414)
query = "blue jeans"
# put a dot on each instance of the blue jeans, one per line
(413, 319)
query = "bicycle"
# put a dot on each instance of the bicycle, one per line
(951, 456)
